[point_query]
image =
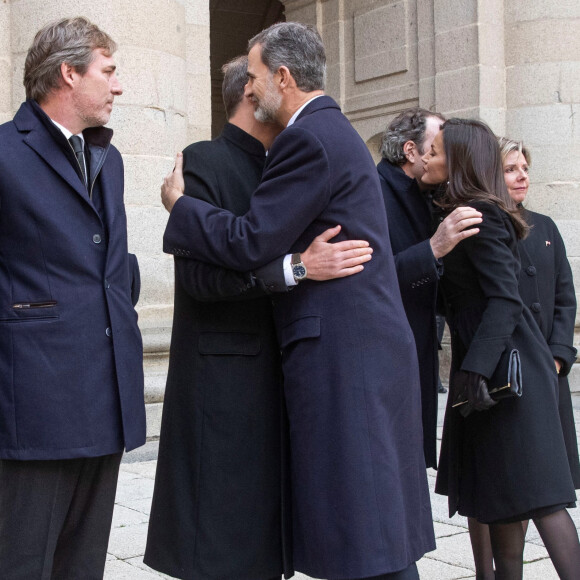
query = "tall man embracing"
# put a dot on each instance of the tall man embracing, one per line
(71, 392)
(360, 498)
(220, 505)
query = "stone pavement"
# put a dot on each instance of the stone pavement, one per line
(451, 560)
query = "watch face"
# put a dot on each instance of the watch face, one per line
(299, 271)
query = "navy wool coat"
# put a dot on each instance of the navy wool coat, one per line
(360, 499)
(217, 504)
(547, 289)
(71, 378)
(410, 229)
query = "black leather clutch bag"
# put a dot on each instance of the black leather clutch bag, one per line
(505, 382)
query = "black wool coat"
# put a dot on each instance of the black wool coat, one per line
(510, 460)
(547, 289)
(217, 504)
(410, 228)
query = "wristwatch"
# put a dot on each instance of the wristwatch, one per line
(298, 268)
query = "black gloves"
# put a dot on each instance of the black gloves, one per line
(470, 393)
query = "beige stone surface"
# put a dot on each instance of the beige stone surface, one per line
(543, 125)
(523, 88)
(143, 178)
(451, 15)
(5, 92)
(380, 41)
(457, 48)
(301, 11)
(521, 10)
(5, 30)
(457, 89)
(543, 41)
(151, 78)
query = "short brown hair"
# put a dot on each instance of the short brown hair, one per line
(235, 78)
(70, 40)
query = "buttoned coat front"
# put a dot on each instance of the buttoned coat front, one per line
(71, 379)
(547, 289)
(360, 499)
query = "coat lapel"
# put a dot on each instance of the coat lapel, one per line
(41, 142)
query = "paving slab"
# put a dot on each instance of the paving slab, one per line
(119, 570)
(128, 542)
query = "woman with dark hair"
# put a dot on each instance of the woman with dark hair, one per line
(505, 461)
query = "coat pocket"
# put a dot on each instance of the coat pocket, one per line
(305, 327)
(31, 310)
(229, 343)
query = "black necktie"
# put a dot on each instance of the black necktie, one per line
(77, 145)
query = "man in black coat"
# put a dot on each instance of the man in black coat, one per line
(417, 250)
(219, 505)
(71, 372)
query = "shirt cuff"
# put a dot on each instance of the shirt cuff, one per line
(288, 276)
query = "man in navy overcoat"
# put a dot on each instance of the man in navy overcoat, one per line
(71, 379)
(360, 499)
(417, 248)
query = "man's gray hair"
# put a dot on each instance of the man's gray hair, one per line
(235, 74)
(407, 126)
(70, 40)
(297, 47)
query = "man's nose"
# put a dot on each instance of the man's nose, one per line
(116, 87)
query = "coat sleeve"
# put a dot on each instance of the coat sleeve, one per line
(294, 191)
(207, 282)
(416, 266)
(496, 267)
(561, 338)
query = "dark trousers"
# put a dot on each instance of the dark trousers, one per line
(55, 517)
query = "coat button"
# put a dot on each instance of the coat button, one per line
(108, 332)
(531, 271)
(97, 238)
(536, 307)
(107, 285)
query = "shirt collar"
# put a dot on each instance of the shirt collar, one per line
(66, 132)
(295, 115)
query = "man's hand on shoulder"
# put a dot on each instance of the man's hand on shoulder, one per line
(173, 184)
(453, 229)
(325, 260)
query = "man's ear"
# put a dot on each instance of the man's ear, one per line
(285, 77)
(410, 151)
(68, 74)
